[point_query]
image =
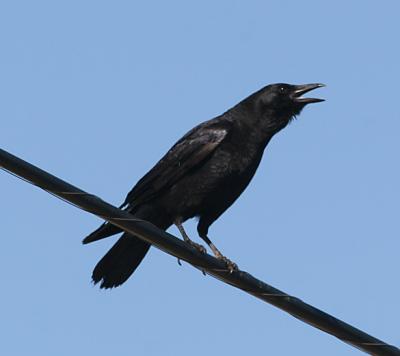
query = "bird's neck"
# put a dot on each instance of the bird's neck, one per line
(260, 126)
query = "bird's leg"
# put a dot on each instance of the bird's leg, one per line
(186, 238)
(232, 266)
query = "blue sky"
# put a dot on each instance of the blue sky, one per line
(95, 92)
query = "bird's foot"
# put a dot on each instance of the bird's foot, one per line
(197, 246)
(186, 238)
(232, 266)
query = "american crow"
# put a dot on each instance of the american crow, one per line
(201, 176)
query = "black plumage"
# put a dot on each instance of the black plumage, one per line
(201, 175)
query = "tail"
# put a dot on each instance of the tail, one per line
(124, 257)
(120, 262)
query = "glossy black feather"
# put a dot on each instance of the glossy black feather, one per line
(187, 154)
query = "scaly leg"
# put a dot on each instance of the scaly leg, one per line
(232, 266)
(185, 236)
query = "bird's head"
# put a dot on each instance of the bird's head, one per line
(281, 102)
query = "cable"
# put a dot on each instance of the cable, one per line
(212, 266)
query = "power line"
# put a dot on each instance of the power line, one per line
(212, 266)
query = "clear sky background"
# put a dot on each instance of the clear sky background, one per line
(96, 91)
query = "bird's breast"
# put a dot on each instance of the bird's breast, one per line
(240, 158)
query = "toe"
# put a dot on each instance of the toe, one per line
(231, 266)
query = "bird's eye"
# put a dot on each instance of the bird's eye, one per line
(282, 90)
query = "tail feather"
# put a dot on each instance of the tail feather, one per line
(124, 257)
(120, 261)
(105, 230)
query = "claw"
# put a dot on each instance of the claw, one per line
(232, 266)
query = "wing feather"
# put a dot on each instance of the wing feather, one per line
(189, 152)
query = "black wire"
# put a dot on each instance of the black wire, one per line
(212, 266)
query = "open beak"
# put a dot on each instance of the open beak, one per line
(302, 89)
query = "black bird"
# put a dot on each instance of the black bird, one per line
(201, 176)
